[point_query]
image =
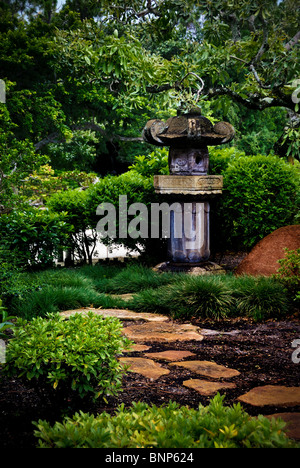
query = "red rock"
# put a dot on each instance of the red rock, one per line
(263, 258)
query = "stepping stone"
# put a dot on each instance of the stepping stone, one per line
(136, 347)
(162, 332)
(272, 395)
(170, 355)
(206, 388)
(292, 421)
(146, 367)
(208, 369)
(121, 314)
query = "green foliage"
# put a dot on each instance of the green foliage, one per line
(79, 152)
(259, 196)
(78, 354)
(289, 271)
(217, 297)
(168, 426)
(178, 295)
(18, 159)
(135, 278)
(39, 186)
(152, 164)
(5, 323)
(259, 298)
(34, 236)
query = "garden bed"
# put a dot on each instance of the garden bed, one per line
(262, 353)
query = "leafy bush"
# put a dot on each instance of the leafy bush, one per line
(137, 189)
(152, 164)
(289, 271)
(168, 426)
(34, 236)
(78, 354)
(5, 322)
(259, 196)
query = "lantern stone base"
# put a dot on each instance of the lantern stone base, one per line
(188, 198)
(191, 185)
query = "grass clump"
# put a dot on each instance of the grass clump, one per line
(260, 298)
(168, 426)
(216, 297)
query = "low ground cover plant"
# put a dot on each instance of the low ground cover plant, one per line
(216, 297)
(168, 426)
(178, 295)
(76, 355)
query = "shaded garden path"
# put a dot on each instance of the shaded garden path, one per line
(189, 363)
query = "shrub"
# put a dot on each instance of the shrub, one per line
(201, 297)
(78, 354)
(260, 298)
(34, 236)
(259, 196)
(137, 189)
(289, 271)
(153, 163)
(216, 297)
(74, 204)
(168, 426)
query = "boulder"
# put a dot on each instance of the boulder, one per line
(263, 258)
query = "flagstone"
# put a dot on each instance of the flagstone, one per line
(206, 388)
(208, 369)
(162, 332)
(292, 421)
(272, 395)
(136, 347)
(122, 314)
(170, 355)
(146, 367)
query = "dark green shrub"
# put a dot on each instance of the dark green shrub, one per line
(78, 354)
(289, 271)
(260, 298)
(259, 196)
(216, 297)
(81, 242)
(169, 426)
(153, 163)
(201, 297)
(34, 236)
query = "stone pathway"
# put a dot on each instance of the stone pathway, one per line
(160, 329)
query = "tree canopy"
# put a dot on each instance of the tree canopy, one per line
(84, 76)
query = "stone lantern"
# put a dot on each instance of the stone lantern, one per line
(188, 188)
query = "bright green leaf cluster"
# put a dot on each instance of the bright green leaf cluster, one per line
(78, 354)
(169, 426)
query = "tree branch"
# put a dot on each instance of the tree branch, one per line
(57, 137)
(292, 42)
